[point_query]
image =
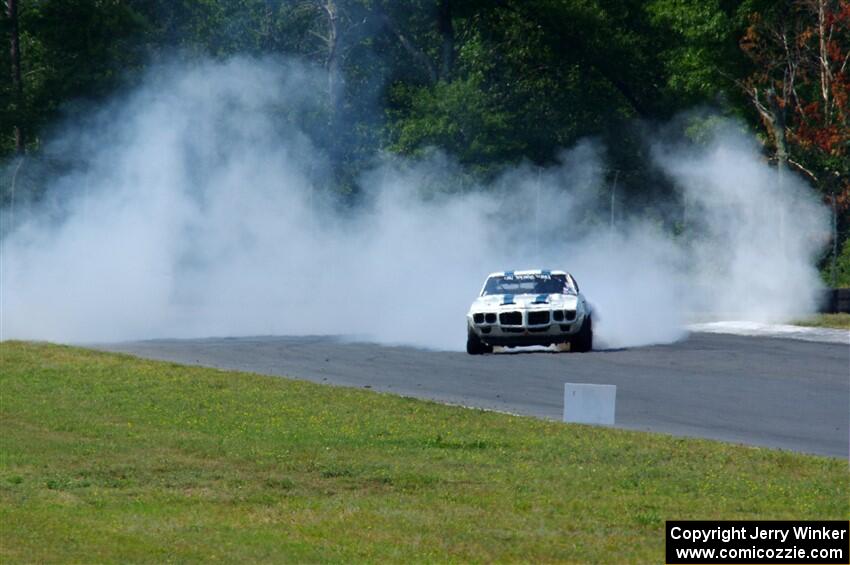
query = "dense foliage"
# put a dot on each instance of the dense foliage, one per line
(491, 83)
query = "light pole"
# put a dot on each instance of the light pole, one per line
(537, 216)
(613, 196)
(834, 239)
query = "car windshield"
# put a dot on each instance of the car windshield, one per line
(527, 284)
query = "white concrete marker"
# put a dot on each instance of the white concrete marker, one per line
(589, 404)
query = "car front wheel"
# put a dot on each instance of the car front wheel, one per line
(474, 345)
(583, 341)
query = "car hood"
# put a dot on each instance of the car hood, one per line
(521, 301)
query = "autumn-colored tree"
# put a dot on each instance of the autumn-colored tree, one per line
(800, 87)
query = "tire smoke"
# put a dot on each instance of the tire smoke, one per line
(195, 209)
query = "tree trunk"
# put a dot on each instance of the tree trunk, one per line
(778, 124)
(332, 61)
(447, 34)
(414, 52)
(17, 84)
(773, 116)
(823, 61)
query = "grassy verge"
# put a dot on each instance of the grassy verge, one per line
(838, 321)
(107, 458)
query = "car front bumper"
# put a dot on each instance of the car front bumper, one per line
(531, 327)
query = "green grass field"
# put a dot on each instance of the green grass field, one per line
(107, 458)
(838, 321)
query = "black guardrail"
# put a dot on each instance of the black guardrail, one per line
(835, 300)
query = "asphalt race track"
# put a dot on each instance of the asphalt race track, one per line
(770, 392)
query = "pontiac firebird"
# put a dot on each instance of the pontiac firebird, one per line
(519, 308)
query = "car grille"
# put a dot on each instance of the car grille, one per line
(510, 318)
(538, 318)
(491, 318)
(569, 315)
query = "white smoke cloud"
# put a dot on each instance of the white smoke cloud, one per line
(195, 212)
(757, 233)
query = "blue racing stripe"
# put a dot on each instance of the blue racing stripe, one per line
(542, 299)
(508, 299)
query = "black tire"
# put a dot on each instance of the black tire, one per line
(474, 345)
(583, 341)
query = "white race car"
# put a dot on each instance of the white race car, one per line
(517, 308)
